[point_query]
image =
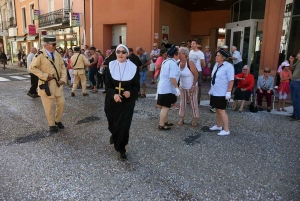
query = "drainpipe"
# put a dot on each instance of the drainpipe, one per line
(91, 22)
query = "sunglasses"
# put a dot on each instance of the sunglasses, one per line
(154, 46)
(245, 69)
(267, 71)
(53, 44)
(121, 52)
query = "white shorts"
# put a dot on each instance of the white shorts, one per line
(282, 96)
(152, 67)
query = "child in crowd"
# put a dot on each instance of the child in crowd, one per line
(284, 86)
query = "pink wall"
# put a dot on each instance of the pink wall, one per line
(178, 20)
(136, 14)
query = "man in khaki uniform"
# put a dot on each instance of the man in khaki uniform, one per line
(49, 67)
(79, 62)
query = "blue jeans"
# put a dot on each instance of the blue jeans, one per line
(143, 77)
(295, 95)
(92, 73)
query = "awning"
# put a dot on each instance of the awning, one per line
(31, 37)
(20, 38)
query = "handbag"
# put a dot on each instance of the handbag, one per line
(206, 71)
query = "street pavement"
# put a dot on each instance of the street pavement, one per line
(258, 161)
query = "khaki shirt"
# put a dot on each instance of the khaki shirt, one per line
(42, 67)
(296, 72)
(81, 64)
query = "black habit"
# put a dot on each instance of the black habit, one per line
(119, 114)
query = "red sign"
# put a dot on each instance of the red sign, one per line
(31, 29)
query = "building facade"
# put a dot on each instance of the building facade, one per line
(8, 27)
(64, 19)
(27, 35)
(265, 31)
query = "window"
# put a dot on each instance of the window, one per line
(51, 5)
(31, 10)
(24, 19)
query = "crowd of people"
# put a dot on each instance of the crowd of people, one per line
(177, 71)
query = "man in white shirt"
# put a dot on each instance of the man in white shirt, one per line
(237, 61)
(155, 53)
(33, 78)
(197, 56)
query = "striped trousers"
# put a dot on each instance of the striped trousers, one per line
(185, 95)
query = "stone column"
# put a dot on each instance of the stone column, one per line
(272, 31)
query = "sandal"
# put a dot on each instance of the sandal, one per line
(181, 122)
(143, 95)
(94, 91)
(163, 128)
(241, 110)
(284, 110)
(194, 124)
(169, 124)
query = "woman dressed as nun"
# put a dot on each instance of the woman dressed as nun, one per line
(122, 86)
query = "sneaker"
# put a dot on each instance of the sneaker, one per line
(223, 132)
(215, 128)
(276, 87)
(213, 110)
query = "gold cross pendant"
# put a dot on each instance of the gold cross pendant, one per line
(119, 88)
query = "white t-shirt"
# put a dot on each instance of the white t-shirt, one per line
(238, 57)
(224, 75)
(29, 60)
(186, 78)
(196, 58)
(169, 69)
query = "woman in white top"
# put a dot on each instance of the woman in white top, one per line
(167, 88)
(220, 91)
(188, 86)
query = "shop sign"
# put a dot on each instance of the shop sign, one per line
(3, 33)
(75, 19)
(36, 14)
(31, 29)
(12, 31)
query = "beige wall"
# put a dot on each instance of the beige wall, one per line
(178, 20)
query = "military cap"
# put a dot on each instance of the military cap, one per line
(49, 39)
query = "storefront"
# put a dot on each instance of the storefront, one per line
(254, 31)
(67, 37)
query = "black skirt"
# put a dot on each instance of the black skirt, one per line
(218, 102)
(242, 95)
(166, 100)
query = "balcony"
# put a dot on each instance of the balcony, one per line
(55, 18)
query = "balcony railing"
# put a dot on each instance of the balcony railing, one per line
(58, 17)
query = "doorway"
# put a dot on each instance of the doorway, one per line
(246, 36)
(119, 34)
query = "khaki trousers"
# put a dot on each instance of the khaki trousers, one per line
(81, 77)
(48, 104)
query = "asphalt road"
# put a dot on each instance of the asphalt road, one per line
(258, 161)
